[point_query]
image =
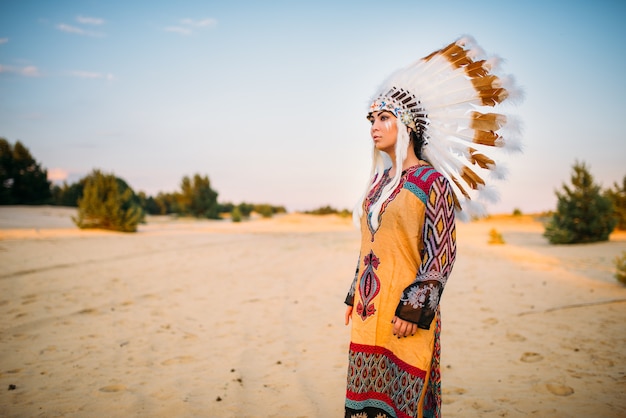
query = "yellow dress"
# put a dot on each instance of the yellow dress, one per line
(402, 270)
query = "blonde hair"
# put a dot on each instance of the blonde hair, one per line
(403, 141)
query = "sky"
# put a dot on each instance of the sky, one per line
(268, 98)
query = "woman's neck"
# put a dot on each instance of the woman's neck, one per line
(409, 161)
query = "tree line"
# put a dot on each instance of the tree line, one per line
(107, 201)
(585, 212)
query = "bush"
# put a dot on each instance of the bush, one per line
(108, 203)
(620, 268)
(329, 210)
(235, 215)
(583, 214)
(618, 197)
(495, 237)
(517, 212)
(68, 195)
(23, 181)
(197, 198)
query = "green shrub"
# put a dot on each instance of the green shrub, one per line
(517, 212)
(197, 198)
(618, 196)
(108, 203)
(329, 210)
(583, 214)
(235, 215)
(23, 181)
(620, 268)
(495, 237)
(264, 210)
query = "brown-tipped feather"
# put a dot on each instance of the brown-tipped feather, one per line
(440, 51)
(487, 121)
(477, 69)
(457, 204)
(486, 82)
(491, 97)
(481, 159)
(455, 54)
(458, 185)
(485, 138)
(472, 179)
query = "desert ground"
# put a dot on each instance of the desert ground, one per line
(199, 318)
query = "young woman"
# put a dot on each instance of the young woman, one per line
(421, 117)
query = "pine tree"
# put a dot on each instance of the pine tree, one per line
(197, 198)
(68, 195)
(108, 203)
(236, 215)
(618, 197)
(583, 214)
(22, 179)
(6, 172)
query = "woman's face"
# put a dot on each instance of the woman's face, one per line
(384, 131)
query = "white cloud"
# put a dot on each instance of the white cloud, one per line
(178, 29)
(189, 24)
(4, 40)
(93, 75)
(208, 22)
(85, 20)
(79, 31)
(70, 29)
(28, 71)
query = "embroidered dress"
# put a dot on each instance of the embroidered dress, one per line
(402, 270)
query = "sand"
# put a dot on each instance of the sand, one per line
(192, 318)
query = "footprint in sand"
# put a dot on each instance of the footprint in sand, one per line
(113, 388)
(602, 362)
(453, 391)
(559, 389)
(490, 321)
(178, 360)
(515, 337)
(529, 357)
(449, 393)
(87, 311)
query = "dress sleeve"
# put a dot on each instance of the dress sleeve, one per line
(350, 297)
(420, 301)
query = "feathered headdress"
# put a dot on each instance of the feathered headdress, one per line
(450, 98)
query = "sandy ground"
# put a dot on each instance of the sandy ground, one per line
(194, 318)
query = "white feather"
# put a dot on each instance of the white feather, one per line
(499, 171)
(449, 99)
(488, 193)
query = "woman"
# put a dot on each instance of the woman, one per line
(421, 117)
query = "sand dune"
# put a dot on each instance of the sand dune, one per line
(192, 318)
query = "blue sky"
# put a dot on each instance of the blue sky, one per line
(268, 98)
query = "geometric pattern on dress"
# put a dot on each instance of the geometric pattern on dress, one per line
(420, 181)
(420, 300)
(379, 381)
(432, 398)
(439, 231)
(375, 194)
(369, 286)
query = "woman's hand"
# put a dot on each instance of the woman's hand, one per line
(348, 314)
(402, 328)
